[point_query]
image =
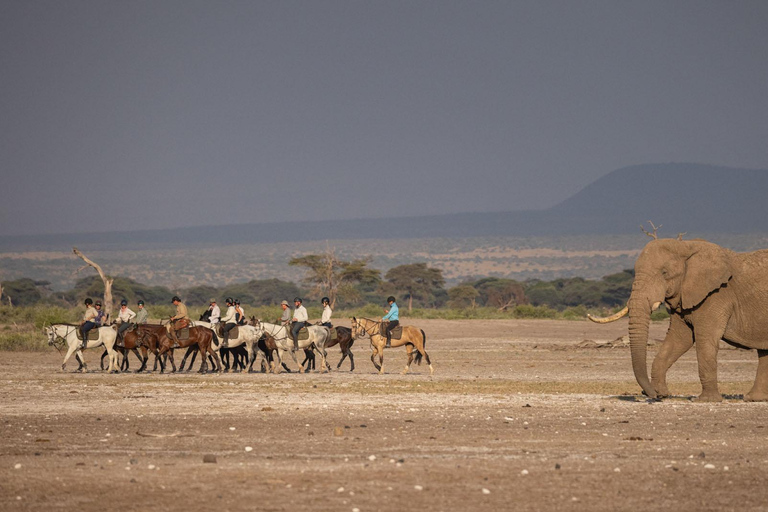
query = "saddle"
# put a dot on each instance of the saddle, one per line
(303, 334)
(397, 332)
(233, 333)
(334, 334)
(93, 334)
(182, 334)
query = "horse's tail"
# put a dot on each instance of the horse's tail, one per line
(417, 359)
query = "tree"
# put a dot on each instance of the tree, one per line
(462, 296)
(501, 293)
(105, 279)
(330, 276)
(416, 280)
(22, 292)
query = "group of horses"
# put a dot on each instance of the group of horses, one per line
(256, 340)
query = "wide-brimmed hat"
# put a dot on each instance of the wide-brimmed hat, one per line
(212, 301)
(284, 303)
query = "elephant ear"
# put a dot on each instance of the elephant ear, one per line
(706, 270)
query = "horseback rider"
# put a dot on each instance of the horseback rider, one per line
(143, 315)
(393, 316)
(178, 321)
(327, 312)
(215, 314)
(300, 318)
(101, 318)
(239, 313)
(124, 319)
(89, 320)
(286, 318)
(229, 320)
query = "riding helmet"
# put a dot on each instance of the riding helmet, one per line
(97, 303)
(175, 299)
(390, 299)
(297, 299)
(88, 301)
(123, 302)
(229, 300)
(141, 303)
(326, 300)
(237, 302)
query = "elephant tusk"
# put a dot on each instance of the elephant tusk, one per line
(611, 318)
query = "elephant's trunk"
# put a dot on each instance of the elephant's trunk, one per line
(639, 321)
(611, 318)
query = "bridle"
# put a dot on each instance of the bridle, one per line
(56, 340)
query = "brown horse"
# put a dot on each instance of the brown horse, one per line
(201, 336)
(412, 337)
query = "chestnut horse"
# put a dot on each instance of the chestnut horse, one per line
(412, 337)
(201, 336)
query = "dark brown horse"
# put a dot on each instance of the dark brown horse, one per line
(200, 336)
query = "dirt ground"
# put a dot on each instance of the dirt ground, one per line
(516, 417)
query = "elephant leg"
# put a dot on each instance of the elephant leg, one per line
(678, 341)
(759, 391)
(707, 345)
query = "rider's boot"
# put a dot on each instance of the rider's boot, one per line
(225, 341)
(389, 341)
(120, 343)
(296, 343)
(85, 340)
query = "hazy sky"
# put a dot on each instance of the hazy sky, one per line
(120, 115)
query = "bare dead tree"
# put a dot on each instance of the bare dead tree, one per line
(653, 234)
(105, 279)
(680, 236)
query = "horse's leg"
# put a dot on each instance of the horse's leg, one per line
(409, 352)
(215, 356)
(103, 355)
(184, 359)
(277, 360)
(143, 358)
(204, 360)
(71, 350)
(80, 362)
(374, 353)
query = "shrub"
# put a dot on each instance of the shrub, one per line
(530, 311)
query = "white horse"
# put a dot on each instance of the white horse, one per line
(318, 337)
(247, 335)
(67, 334)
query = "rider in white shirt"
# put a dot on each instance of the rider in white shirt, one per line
(327, 312)
(229, 321)
(124, 318)
(300, 318)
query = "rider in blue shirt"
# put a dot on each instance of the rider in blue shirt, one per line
(393, 316)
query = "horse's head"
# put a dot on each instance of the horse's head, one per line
(50, 334)
(358, 329)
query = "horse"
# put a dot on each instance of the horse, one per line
(197, 335)
(412, 337)
(66, 334)
(247, 335)
(318, 335)
(344, 340)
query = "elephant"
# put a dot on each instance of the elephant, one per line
(712, 293)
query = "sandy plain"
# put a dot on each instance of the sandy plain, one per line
(516, 417)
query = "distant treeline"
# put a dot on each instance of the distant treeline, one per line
(408, 284)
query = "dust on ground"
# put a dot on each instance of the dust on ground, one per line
(518, 415)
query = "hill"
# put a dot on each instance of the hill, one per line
(682, 197)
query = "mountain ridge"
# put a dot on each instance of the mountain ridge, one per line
(683, 197)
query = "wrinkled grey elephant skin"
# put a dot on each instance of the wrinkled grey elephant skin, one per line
(712, 293)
